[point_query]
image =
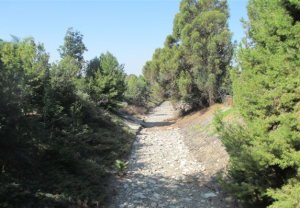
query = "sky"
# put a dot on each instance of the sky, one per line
(130, 29)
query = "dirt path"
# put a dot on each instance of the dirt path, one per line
(162, 171)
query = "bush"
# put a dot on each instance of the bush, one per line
(137, 92)
(55, 144)
(264, 151)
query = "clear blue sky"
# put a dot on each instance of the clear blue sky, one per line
(131, 30)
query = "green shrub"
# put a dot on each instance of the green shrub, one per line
(264, 145)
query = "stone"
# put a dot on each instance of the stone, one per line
(187, 199)
(153, 204)
(156, 195)
(140, 195)
(151, 181)
(137, 202)
(209, 195)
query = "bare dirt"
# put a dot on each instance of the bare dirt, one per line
(174, 164)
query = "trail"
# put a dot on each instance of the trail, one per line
(162, 171)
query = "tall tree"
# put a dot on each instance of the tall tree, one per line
(73, 46)
(201, 29)
(264, 153)
(198, 52)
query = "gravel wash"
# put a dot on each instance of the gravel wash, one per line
(162, 172)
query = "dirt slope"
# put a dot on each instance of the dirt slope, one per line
(206, 148)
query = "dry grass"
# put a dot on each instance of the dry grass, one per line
(134, 110)
(199, 116)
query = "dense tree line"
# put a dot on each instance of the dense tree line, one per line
(264, 150)
(138, 91)
(193, 65)
(56, 143)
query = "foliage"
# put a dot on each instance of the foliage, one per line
(73, 46)
(105, 80)
(264, 150)
(55, 144)
(193, 65)
(121, 167)
(137, 91)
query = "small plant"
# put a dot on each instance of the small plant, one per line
(121, 167)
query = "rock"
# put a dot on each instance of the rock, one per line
(140, 195)
(153, 199)
(137, 202)
(187, 199)
(153, 204)
(151, 181)
(156, 195)
(188, 179)
(209, 195)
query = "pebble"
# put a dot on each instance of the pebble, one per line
(139, 195)
(209, 195)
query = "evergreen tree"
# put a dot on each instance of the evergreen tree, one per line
(55, 145)
(199, 49)
(264, 152)
(137, 91)
(73, 46)
(106, 80)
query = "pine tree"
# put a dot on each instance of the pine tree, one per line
(73, 46)
(264, 153)
(106, 80)
(137, 90)
(199, 49)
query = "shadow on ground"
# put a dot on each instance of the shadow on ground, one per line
(158, 124)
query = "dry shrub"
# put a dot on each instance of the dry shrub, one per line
(134, 110)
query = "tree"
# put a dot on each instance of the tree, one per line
(264, 152)
(55, 146)
(137, 91)
(199, 49)
(73, 46)
(106, 80)
(92, 67)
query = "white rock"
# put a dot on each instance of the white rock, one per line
(209, 195)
